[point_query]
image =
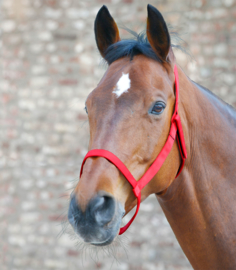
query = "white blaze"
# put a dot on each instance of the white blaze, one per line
(123, 85)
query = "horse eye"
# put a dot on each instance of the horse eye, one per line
(158, 108)
(85, 108)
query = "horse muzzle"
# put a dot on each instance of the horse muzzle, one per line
(100, 222)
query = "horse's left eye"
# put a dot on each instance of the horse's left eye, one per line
(85, 108)
(158, 108)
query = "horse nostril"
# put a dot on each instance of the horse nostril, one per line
(99, 212)
(103, 209)
(99, 202)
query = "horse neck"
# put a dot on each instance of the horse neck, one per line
(200, 204)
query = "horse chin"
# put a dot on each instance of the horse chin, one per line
(105, 243)
(102, 236)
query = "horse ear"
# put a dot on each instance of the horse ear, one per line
(106, 30)
(157, 33)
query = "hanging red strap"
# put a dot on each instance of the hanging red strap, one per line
(175, 131)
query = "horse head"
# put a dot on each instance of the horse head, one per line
(129, 115)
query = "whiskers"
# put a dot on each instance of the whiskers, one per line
(87, 251)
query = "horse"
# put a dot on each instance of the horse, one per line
(130, 114)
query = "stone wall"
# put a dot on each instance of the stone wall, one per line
(49, 64)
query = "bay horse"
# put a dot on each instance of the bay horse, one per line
(130, 115)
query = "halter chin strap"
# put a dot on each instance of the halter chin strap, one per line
(176, 131)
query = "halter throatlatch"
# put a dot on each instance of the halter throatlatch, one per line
(176, 131)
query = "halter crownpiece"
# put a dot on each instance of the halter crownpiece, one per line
(176, 131)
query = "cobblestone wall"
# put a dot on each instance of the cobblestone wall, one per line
(49, 64)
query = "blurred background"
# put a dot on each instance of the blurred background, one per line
(49, 64)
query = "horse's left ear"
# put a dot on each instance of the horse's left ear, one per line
(158, 34)
(106, 30)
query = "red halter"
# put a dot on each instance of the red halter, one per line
(175, 131)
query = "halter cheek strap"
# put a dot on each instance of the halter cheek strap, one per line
(176, 131)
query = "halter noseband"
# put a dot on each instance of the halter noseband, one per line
(176, 131)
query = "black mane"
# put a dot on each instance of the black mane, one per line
(136, 46)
